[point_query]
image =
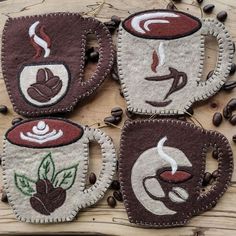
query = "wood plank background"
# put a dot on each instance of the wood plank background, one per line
(101, 219)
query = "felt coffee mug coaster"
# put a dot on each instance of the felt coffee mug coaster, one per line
(45, 162)
(162, 164)
(43, 60)
(160, 60)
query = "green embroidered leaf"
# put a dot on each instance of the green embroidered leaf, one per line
(65, 178)
(47, 168)
(25, 185)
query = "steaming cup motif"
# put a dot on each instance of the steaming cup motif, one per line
(161, 174)
(45, 162)
(160, 60)
(43, 61)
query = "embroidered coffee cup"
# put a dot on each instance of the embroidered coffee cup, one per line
(160, 60)
(162, 164)
(43, 60)
(45, 162)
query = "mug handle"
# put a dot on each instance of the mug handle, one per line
(207, 88)
(225, 167)
(97, 191)
(106, 54)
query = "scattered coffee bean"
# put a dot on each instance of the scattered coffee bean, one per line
(234, 138)
(232, 120)
(94, 56)
(217, 119)
(227, 113)
(115, 184)
(115, 76)
(89, 50)
(232, 104)
(118, 196)
(232, 69)
(215, 174)
(121, 93)
(3, 109)
(16, 120)
(171, 6)
(229, 85)
(116, 19)
(111, 25)
(111, 201)
(129, 114)
(206, 179)
(116, 111)
(92, 178)
(4, 197)
(209, 74)
(215, 154)
(112, 120)
(199, 1)
(190, 111)
(221, 16)
(208, 8)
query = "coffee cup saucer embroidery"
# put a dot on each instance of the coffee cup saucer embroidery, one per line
(45, 163)
(160, 60)
(161, 173)
(43, 61)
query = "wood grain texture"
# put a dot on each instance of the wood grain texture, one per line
(100, 219)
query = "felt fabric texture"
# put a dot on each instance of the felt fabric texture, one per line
(43, 60)
(155, 193)
(146, 67)
(47, 184)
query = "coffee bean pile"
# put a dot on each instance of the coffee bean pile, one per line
(117, 195)
(115, 118)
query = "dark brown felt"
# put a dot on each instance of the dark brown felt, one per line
(138, 136)
(67, 32)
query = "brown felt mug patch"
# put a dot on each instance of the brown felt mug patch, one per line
(45, 163)
(43, 59)
(161, 166)
(160, 60)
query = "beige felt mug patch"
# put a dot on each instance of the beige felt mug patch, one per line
(43, 61)
(160, 60)
(161, 167)
(45, 162)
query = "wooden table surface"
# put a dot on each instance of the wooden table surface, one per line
(101, 219)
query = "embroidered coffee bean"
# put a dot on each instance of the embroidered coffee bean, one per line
(92, 178)
(116, 111)
(221, 16)
(206, 179)
(217, 119)
(232, 69)
(111, 201)
(208, 8)
(209, 74)
(229, 85)
(4, 197)
(115, 184)
(118, 196)
(227, 112)
(215, 174)
(232, 120)
(16, 120)
(3, 109)
(116, 20)
(234, 138)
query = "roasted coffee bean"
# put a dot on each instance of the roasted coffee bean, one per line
(129, 114)
(112, 120)
(227, 112)
(111, 25)
(121, 92)
(115, 76)
(229, 85)
(3, 109)
(171, 6)
(217, 119)
(116, 19)
(234, 138)
(215, 174)
(94, 56)
(111, 201)
(4, 197)
(92, 178)
(118, 196)
(208, 8)
(232, 69)
(209, 74)
(221, 16)
(206, 179)
(232, 120)
(16, 120)
(215, 154)
(232, 104)
(115, 184)
(116, 111)
(190, 111)
(199, 1)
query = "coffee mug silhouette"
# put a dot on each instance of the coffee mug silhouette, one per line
(160, 60)
(45, 164)
(43, 61)
(161, 173)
